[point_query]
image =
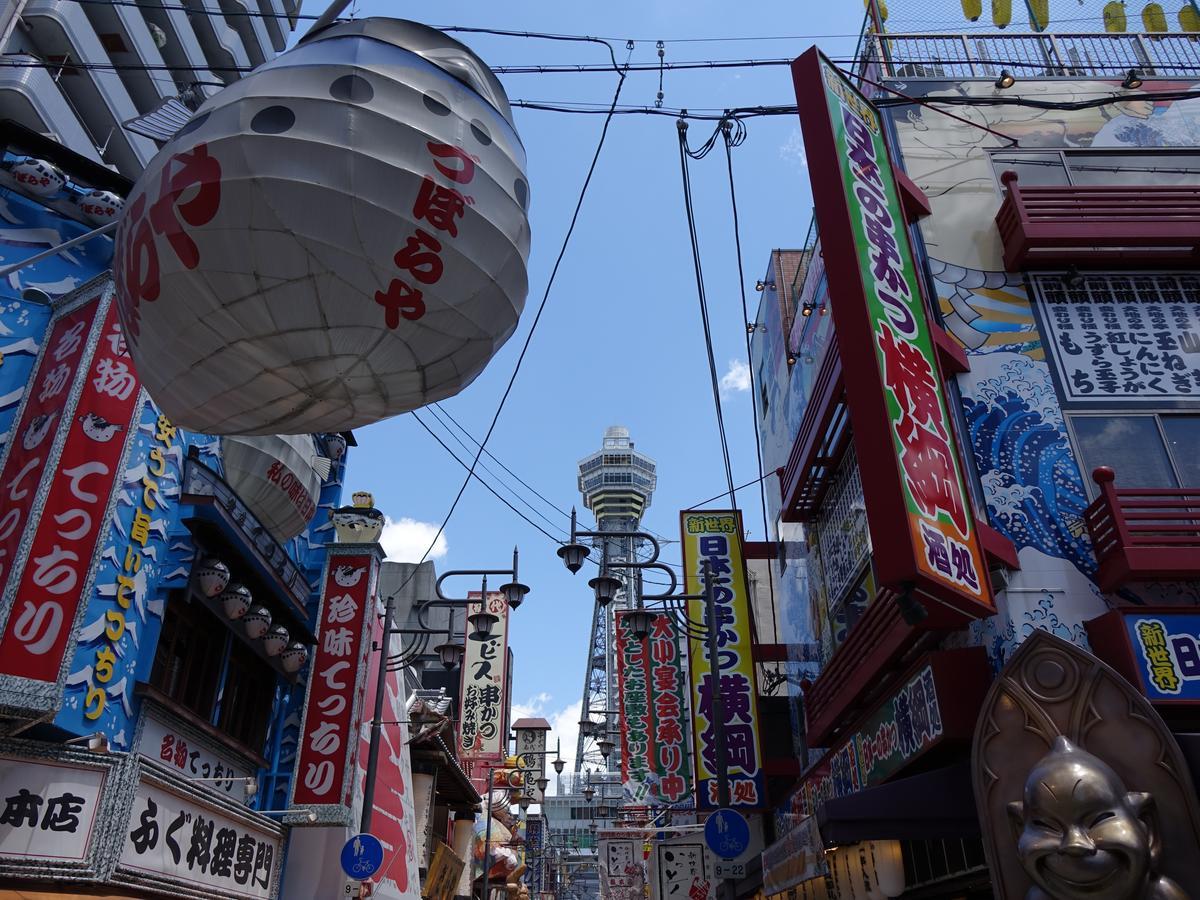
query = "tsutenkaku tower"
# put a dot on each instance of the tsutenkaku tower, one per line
(617, 483)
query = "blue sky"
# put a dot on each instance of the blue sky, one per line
(620, 340)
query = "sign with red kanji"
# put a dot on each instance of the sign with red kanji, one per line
(918, 506)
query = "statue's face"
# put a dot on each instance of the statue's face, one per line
(1081, 833)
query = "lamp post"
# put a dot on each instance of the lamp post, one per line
(450, 653)
(573, 555)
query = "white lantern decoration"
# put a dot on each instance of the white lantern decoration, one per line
(888, 859)
(212, 576)
(236, 600)
(843, 877)
(294, 657)
(99, 207)
(38, 177)
(278, 477)
(346, 237)
(864, 873)
(256, 622)
(275, 640)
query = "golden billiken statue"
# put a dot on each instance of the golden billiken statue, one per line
(1080, 834)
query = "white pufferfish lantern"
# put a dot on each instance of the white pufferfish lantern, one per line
(339, 237)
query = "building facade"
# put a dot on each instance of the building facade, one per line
(991, 336)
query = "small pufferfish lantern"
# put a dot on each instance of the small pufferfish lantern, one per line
(338, 237)
(361, 523)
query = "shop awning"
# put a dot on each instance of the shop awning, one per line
(936, 804)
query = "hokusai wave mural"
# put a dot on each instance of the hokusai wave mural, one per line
(1034, 489)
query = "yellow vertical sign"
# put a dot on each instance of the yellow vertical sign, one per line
(715, 536)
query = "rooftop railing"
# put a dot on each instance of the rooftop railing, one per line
(961, 56)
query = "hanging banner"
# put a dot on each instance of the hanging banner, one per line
(653, 707)
(622, 869)
(481, 712)
(898, 407)
(716, 537)
(32, 439)
(337, 680)
(58, 571)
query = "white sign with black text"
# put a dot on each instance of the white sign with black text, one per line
(165, 743)
(49, 809)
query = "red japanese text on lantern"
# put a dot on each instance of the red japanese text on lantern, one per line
(293, 488)
(439, 207)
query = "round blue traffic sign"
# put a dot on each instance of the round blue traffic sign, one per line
(727, 833)
(362, 856)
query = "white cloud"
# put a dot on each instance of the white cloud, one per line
(792, 150)
(533, 707)
(737, 378)
(564, 727)
(405, 539)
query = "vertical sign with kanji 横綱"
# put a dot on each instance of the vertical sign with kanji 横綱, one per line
(715, 537)
(919, 510)
(653, 707)
(481, 737)
(337, 676)
(44, 592)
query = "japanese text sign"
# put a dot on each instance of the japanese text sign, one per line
(1166, 652)
(654, 714)
(682, 871)
(481, 720)
(893, 385)
(59, 569)
(716, 537)
(1124, 340)
(50, 809)
(32, 437)
(177, 749)
(176, 838)
(333, 707)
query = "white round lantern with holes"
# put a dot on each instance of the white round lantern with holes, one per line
(99, 207)
(38, 177)
(256, 622)
(275, 640)
(212, 576)
(338, 237)
(236, 600)
(278, 476)
(294, 657)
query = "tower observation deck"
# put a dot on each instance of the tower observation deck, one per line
(617, 483)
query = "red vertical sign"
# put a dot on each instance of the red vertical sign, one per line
(33, 434)
(336, 682)
(60, 559)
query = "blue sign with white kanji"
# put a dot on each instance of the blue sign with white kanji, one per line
(727, 833)
(362, 856)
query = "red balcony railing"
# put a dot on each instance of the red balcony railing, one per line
(1143, 534)
(1053, 226)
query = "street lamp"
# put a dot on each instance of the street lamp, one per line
(605, 746)
(605, 587)
(451, 654)
(639, 621)
(589, 792)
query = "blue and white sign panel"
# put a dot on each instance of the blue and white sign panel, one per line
(727, 833)
(1166, 649)
(362, 856)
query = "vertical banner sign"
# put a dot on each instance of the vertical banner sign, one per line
(531, 745)
(32, 437)
(653, 704)
(898, 407)
(336, 678)
(716, 537)
(58, 570)
(481, 714)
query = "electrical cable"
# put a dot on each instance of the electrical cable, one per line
(532, 328)
(682, 126)
(740, 487)
(731, 141)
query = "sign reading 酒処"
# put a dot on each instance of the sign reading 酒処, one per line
(336, 684)
(481, 735)
(653, 708)
(898, 406)
(715, 536)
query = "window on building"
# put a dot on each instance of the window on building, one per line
(1151, 451)
(1137, 168)
(200, 665)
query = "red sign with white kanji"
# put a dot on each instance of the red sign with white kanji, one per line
(32, 438)
(333, 707)
(60, 558)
